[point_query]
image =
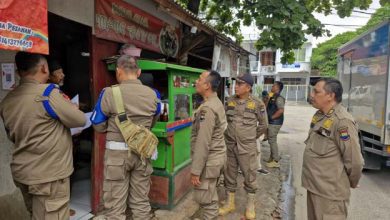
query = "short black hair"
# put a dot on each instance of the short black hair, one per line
(215, 79)
(53, 65)
(127, 63)
(280, 85)
(333, 85)
(26, 63)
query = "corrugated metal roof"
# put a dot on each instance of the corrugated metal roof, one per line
(221, 37)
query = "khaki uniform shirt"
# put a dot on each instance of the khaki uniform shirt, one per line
(247, 121)
(207, 141)
(43, 145)
(140, 103)
(332, 161)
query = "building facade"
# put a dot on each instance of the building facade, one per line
(267, 68)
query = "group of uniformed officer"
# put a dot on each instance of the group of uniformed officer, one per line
(42, 159)
(223, 144)
(332, 162)
(38, 118)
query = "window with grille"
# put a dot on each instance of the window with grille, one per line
(267, 58)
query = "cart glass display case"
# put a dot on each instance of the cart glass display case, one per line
(176, 84)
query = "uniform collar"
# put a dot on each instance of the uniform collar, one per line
(337, 107)
(333, 110)
(242, 101)
(211, 97)
(131, 81)
(26, 80)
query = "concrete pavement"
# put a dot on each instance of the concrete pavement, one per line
(370, 201)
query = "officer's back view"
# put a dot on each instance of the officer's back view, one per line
(37, 119)
(126, 175)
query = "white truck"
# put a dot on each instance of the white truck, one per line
(363, 69)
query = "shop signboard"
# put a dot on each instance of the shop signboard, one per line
(23, 26)
(122, 22)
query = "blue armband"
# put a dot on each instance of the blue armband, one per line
(158, 109)
(98, 116)
(46, 103)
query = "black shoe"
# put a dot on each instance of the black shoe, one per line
(263, 171)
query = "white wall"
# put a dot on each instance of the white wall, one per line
(81, 11)
(305, 66)
(6, 56)
(151, 7)
(10, 197)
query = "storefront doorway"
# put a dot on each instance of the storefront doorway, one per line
(70, 45)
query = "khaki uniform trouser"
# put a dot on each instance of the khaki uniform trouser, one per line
(47, 201)
(126, 179)
(273, 131)
(319, 208)
(206, 194)
(248, 165)
(258, 143)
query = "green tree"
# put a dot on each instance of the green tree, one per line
(283, 23)
(324, 57)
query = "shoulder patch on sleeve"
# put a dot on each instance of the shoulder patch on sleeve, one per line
(262, 109)
(205, 110)
(202, 115)
(343, 132)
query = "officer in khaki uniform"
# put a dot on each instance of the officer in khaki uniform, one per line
(247, 121)
(126, 177)
(42, 158)
(332, 161)
(208, 149)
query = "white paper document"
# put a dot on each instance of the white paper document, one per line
(75, 99)
(88, 124)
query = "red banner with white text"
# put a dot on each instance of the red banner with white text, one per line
(23, 26)
(122, 22)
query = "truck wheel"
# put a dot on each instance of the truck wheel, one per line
(371, 161)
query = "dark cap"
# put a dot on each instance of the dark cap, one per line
(247, 78)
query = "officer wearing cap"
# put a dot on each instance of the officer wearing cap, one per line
(247, 121)
(38, 124)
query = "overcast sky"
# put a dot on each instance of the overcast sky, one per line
(356, 18)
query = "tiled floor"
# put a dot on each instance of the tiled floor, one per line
(81, 199)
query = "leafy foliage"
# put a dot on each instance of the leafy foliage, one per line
(324, 57)
(283, 23)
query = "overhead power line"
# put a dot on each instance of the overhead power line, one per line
(363, 12)
(352, 16)
(343, 25)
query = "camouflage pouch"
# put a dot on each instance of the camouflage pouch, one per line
(139, 139)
